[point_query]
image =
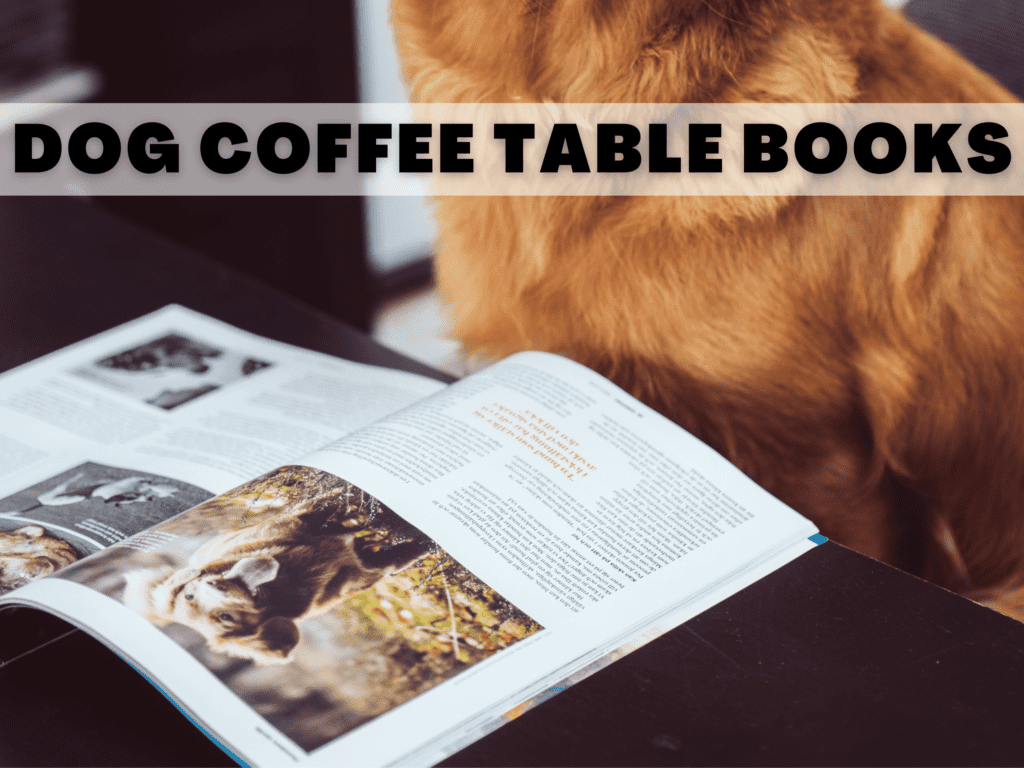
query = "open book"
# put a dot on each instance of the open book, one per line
(322, 562)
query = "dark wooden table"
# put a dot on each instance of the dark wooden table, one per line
(832, 660)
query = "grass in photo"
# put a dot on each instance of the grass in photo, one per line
(314, 602)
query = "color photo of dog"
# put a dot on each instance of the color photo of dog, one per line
(245, 590)
(862, 359)
(318, 605)
(29, 553)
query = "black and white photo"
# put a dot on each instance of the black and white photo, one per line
(171, 370)
(76, 513)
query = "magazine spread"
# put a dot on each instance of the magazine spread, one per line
(101, 440)
(448, 556)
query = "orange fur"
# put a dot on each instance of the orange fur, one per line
(30, 553)
(838, 350)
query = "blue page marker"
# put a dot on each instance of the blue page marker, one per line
(818, 538)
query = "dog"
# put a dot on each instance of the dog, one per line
(30, 553)
(166, 353)
(245, 590)
(862, 360)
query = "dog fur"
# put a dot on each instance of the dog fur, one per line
(245, 590)
(860, 358)
(30, 553)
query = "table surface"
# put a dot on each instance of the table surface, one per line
(832, 660)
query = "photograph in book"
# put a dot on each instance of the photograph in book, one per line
(316, 604)
(81, 511)
(170, 371)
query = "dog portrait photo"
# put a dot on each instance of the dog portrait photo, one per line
(861, 358)
(314, 602)
(171, 371)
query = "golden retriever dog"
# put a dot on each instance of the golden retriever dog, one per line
(245, 590)
(30, 553)
(862, 359)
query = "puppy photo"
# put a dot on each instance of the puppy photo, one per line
(315, 603)
(860, 358)
(244, 590)
(30, 553)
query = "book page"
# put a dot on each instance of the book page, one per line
(541, 469)
(593, 514)
(102, 440)
(410, 583)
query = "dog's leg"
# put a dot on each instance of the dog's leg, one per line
(940, 365)
(977, 528)
(1009, 603)
(858, 503)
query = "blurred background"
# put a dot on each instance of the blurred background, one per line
(346, 256)
(364, 260)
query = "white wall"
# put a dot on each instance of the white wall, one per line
(400, 229)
